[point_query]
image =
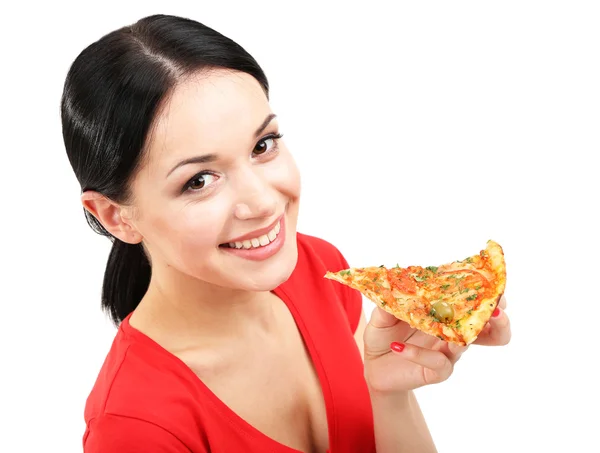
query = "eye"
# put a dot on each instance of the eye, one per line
(263, 146)
(200, 181)
(266, 144)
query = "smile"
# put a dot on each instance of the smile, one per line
(260, 244)
(257, 242)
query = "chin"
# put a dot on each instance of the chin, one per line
(269, 274)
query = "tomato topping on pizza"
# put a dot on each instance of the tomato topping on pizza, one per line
(452, 301)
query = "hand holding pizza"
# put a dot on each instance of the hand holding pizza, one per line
(427, 316)
(394, 364)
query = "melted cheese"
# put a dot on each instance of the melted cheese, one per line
(472, 287)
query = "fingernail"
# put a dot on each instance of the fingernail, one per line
(398, 347)
(496, 312)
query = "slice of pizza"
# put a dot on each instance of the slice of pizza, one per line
(452, 301)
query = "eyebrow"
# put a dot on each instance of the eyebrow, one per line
(206, 158)
(264, 124)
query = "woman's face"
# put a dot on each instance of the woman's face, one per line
(217, 195)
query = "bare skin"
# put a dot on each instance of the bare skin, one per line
(282, 396)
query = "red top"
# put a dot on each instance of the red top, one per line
(147, 400)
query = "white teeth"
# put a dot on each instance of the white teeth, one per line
(260, 241)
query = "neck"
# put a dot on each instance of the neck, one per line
(182, 312)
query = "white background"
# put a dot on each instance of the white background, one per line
(421, 129)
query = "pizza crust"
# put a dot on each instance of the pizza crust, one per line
(473, 324)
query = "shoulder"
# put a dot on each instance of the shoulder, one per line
(316, 256)
(141, 388)
(321, 250)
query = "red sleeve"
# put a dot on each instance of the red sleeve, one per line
(119, 434)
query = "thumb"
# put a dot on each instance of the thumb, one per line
(382, 319)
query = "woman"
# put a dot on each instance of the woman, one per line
(229, 339)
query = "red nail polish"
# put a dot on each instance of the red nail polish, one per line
(496, 312)
(398, 347)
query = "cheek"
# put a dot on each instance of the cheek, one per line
(201, 224)
(286, 176)
(191, 230)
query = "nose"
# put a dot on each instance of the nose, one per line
(257, 198)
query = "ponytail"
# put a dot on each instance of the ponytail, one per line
(126, 279)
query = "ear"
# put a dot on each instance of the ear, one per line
(113, 217)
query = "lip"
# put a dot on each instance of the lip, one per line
(256, 233)
(260, 253)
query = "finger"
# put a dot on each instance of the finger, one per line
(421, 339)
(381, 330)
(502, 302)
(497, 331)
(411, 332)
(435, 361)
(453, 351)
(382, 319)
